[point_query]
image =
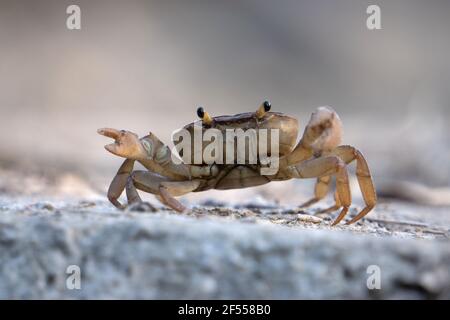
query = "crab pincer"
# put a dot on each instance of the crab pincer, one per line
(127, 144)
(109, 132)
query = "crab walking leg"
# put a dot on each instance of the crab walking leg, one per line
(320, 191)
(170, 201)
(170, 189)
(163, 188)
(348, 154)
(325, 166)
(336, 206)
(145, 181)
(118, 183)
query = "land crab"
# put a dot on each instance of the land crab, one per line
(318, 155)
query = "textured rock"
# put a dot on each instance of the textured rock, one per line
(162, 255)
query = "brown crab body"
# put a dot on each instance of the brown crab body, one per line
(286, 126)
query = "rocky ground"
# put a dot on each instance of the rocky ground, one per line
(257, 249)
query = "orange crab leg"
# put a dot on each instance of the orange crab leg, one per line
(325, 166)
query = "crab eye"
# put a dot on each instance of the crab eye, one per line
(202, 114)
(263, 108)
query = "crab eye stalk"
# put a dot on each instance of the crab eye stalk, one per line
(202, 114)
(263, 108)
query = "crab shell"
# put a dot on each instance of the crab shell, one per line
(287, 127)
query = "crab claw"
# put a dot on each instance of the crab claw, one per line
(324, 129)
(126, 143)
(109, 132)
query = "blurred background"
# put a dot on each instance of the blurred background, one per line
(146, 66)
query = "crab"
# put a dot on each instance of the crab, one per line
(318, 154)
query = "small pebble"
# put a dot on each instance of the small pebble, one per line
(308, 218)
(42, 206)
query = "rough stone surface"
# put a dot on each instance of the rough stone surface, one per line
(208, 253)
